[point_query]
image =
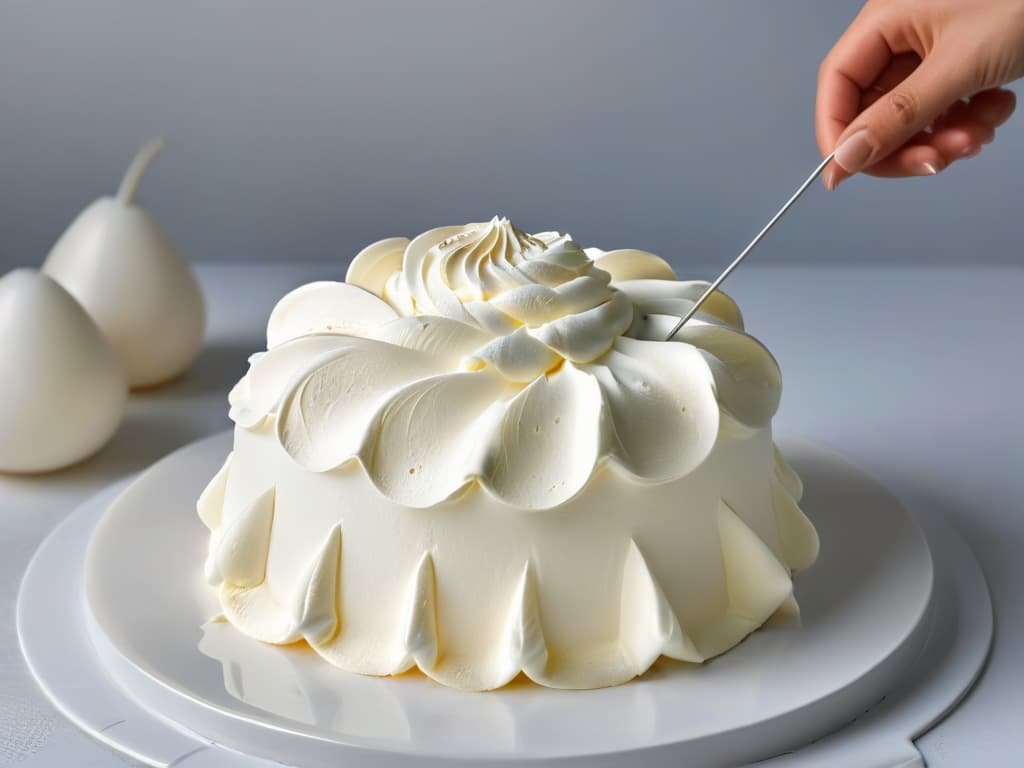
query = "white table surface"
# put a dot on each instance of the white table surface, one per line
(915, 373)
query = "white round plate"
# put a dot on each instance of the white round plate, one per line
(864, 608)
(865, 617)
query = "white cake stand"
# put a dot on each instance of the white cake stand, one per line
(132, 659)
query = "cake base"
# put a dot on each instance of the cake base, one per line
(869, 607)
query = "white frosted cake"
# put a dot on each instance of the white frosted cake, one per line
(479, 456)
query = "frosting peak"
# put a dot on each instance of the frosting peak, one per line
(482, 354)
(478, 262)
(540, 296)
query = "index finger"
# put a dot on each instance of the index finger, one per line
(850, 68)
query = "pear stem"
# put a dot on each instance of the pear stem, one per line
(133, 176)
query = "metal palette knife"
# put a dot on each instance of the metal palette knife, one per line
(736, 262)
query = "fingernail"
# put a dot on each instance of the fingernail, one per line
(927, 169)
(854, 153)
(829, 178)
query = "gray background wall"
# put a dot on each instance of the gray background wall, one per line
(303, 130)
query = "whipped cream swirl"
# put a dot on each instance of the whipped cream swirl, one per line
(540, 296)
(482, 355)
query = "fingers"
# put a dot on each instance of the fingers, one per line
(896, 117)
(958, 133)
(896, 72)
(911, 160)
(961, 139)
(850, 68)
(993, 107)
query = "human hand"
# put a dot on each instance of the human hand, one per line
(893, 93)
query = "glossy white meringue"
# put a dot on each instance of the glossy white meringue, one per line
(484, 436)
(117, 261)
(62, 391)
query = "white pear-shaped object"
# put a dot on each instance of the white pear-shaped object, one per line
(62, 390)
(118, 263)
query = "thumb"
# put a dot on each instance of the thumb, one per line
(904, 111)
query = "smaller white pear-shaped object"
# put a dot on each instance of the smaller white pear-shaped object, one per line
(117, 261)
(62, 390)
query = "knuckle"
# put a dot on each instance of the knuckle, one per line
(904, 106)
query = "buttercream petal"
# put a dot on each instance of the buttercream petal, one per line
(490, 318)
(436, 435)
(535, 304)
(566, 252)
(315, 612)
(419, 642)
(522, 647)
(518, 357)
(551, 438)
(257, 613)
(784, 474)
(445, 301)
(631, 264)
(532, 304)
(210, 505)
(747, 377)
(397, 295)
(796, 533)
(662, 405)
(326, 307)
(417, 264)
(547, 273)
(440, 337)
(241, 552)
(757, 582)
(261, 389)
(329, 413)
(647, 294)
(748, 381)
(649, 627)
(376, 263)
(588, 335)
